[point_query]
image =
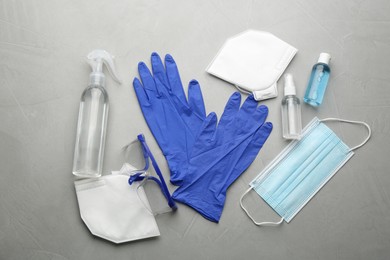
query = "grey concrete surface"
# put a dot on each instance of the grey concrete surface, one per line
(43, 71)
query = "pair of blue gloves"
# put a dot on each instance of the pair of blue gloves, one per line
(204, 156)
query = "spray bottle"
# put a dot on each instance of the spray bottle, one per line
(291, 110)
(318, 81)
(92, 121)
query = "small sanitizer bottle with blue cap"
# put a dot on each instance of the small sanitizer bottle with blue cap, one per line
(92, 121)
(318, 81)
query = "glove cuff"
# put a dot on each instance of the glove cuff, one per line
(210, 209)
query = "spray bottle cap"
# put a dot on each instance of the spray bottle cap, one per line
(96, 59)
(289, 87)
(324, 58)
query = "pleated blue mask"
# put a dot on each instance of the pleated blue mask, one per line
(289, 182)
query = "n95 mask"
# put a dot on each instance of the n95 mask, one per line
(253, 61)
(289, 182)
(114, 210)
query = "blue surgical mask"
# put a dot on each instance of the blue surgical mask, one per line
(289, 182)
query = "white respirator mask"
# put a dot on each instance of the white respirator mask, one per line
(112, 209)
(116, 207)
(253, 61)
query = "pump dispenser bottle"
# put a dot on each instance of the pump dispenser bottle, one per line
(318, 81)
(291, 110)
(92, 121)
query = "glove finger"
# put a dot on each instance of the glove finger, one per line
(159, 73)
(174, 78)
(147, 80)
(243, 122)
(250, 152)
(195, 99)
(255, 121)
(225, 129)
(247, 109)
(207, 131)
(260, 115)
(230, 111)
(257, 142)
(143, 99)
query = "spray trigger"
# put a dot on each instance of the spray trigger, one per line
(96, 59)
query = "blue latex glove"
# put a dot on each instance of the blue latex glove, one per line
(221, 153)
(173, 120)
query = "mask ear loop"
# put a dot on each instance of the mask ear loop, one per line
(250, 216)
(352, 122)
(243, 90)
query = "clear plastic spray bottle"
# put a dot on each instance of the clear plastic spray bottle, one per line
(318, 81)
(291, 110)
(92, 121)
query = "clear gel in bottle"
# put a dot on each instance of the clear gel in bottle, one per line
(291, 110)
(318, 81)
(92, 121)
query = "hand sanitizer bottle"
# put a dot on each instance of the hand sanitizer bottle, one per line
(92, 121)
(318, 81)
(291, 110)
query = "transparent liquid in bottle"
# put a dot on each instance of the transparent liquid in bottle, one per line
(91, 132)
(291, 117)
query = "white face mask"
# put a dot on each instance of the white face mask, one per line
(253, 61)
(112, 209)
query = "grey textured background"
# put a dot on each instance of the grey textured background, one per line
(43, 45)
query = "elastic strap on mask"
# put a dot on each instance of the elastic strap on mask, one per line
(249, 215)
(263, 94)
(352, 122)
(243, 90)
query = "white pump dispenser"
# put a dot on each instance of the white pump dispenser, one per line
(92, 122)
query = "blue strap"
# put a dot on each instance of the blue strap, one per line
(139, 177)
(161, 182)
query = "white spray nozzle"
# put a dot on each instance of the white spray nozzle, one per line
(289, 86)
(96, 59)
